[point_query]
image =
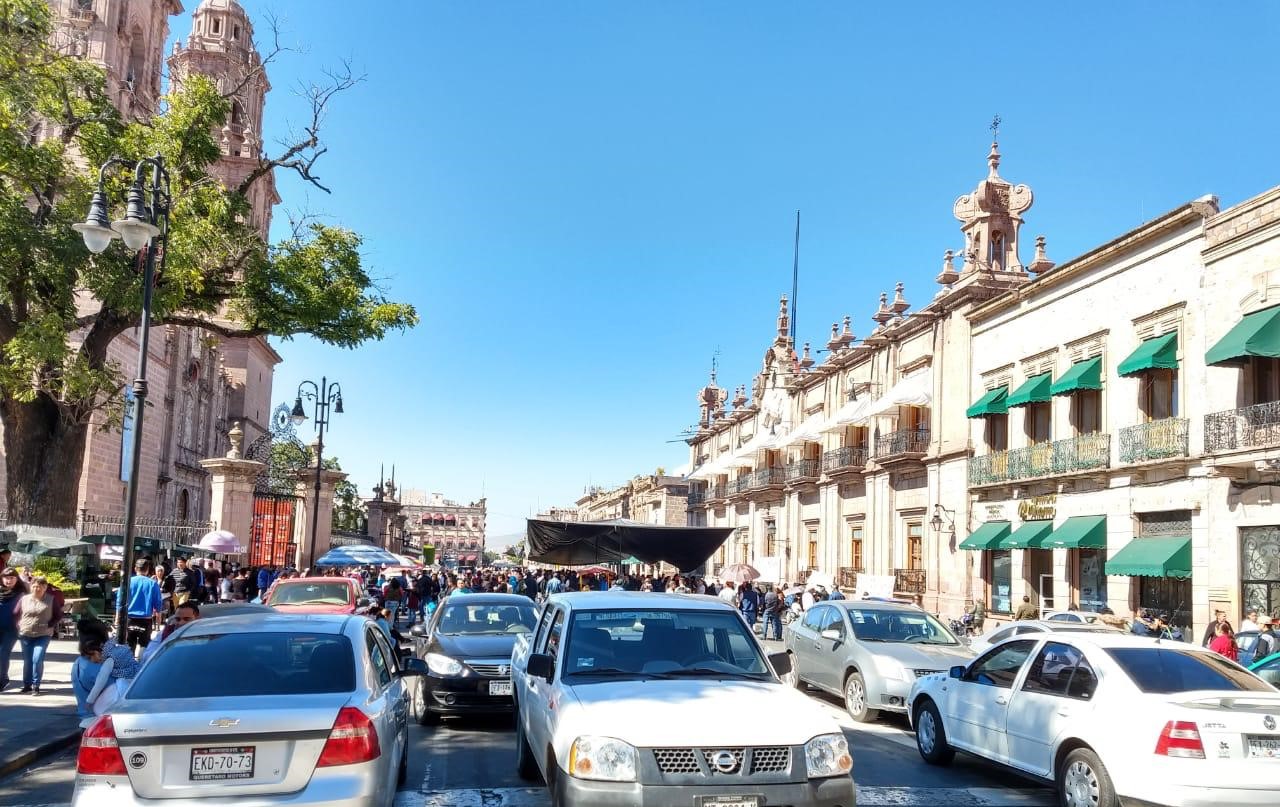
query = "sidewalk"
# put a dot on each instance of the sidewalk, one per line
(31, 727)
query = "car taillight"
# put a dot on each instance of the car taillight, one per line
(99, 752)
(1180, 738)
(352, 739)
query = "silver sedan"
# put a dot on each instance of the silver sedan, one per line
(869, 652)
(261, 709)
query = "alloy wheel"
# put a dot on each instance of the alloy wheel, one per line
(855, 697)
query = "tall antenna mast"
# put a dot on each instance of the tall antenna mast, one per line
(795, 279)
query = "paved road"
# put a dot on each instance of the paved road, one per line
(472, 764)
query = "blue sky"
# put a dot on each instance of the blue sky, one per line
(586, 199)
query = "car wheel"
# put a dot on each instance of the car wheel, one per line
(426, 717)
(931, 736)
(1083, 781)
(526, 765)
(855, 699)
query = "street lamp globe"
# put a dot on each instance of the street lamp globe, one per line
(298, 415)
(136, 229)
(96, 228)
(337, 407)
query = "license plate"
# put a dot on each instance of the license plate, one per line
(499, 687)
(224, 762)
(1264, 747)
(728, 801)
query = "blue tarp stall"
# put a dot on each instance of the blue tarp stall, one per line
(619, 540)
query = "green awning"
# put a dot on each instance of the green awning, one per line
(1160, 353)
(993, 403)
(1079, 532)
(1258, 334)
(1085, 374)
(988, 536)
(1028, 536)
(1168, 556)
(1034, 390)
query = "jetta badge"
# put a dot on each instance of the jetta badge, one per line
(504, 670)
(1269, 723)
(725, 761)
(224, 722)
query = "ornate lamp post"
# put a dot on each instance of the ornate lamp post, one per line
(325, 395)
(145, 229)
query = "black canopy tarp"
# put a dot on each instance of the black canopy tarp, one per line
(574, 543)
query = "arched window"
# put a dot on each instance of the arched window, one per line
(137, 59)
(184, 504)
(237, 114)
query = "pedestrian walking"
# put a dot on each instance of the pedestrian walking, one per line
(1250, 621)
(144, 606)
(749, 604)
(977, 616)
(12, 588)
(1026, 610)
(773, 605)
(38, 616)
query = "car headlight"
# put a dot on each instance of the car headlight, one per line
(827, 755)
(602, 758)
(891, 668)
(443, 665)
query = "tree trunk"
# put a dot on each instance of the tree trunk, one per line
(43, 455)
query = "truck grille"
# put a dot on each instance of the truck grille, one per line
(490, 669)
(751, 761)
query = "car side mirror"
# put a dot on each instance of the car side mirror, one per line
(781, 663)
(542, 665)
(832, 634)
(419, 631)
(413, 666)
(956, 672)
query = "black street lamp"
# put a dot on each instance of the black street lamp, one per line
(144, 228)
(324, 395)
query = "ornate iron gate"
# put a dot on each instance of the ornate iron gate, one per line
(272, 539)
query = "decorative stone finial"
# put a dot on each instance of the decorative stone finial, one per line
(900, 303)
(236, 436)
(784, 320)
(806, 361)
(948, 275)
(993, 161)
(883, 314)
(740, 396)
(1042, 262)
(834, 342)
(846, 335)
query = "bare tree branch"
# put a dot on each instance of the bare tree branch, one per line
(301, 155)
(226, 331)
(271, 54)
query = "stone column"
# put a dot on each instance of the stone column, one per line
(384, 511)
(305, 489)
(232, 480)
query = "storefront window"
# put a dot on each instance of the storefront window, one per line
(1093, 579)
(1260, 568)
(1001, 581)
(1168, 595)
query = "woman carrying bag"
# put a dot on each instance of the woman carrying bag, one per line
(38, 615)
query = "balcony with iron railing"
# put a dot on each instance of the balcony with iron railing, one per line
(1083, 452)
(1256, 426)
(740, 485)
(849, 459)
(805, 470)
(847, 576)
(695, 498)
(773, 476)
(909, 581)
(901, 445)
(1155, 440)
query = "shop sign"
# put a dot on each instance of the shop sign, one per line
(1038, 508)
(995, 512)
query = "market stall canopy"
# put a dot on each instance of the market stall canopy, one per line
(1158, 353)
(1258, 334)
(357, 555)
(575, 543)
(35, 540)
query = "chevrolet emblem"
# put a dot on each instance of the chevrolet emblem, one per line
(224, 723)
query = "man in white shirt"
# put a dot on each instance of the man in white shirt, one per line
(729, 594)
(807, 599)
(1250, 622)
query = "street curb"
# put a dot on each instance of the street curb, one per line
(15, 764)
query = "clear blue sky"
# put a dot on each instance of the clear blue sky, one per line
(586, 199)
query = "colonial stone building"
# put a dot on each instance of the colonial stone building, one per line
(1100, 433)
(457, 531)
(653, 499)
(200, 383)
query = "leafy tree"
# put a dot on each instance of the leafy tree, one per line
(348, 507)
(515, 551)
(61, 307)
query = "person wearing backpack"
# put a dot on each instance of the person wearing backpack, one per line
(1268, 642)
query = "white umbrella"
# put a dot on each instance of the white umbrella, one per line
(221, 541)
(739, 573)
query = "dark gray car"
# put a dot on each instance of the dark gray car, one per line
(870, 653)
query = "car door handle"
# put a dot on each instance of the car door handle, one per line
(1064, 712)
(1002, 700)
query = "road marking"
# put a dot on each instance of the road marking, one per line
(867, 797)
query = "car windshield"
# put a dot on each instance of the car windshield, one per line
(1163, 670)
(242, 664)
(906, 625)
(480, 618)
(310, 594)
(662, 644)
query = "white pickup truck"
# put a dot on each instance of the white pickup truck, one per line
(648, 699)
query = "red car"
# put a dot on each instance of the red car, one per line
(316, 595)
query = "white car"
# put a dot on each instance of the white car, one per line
(1109, 718)
(1034, 627)
(629, 698)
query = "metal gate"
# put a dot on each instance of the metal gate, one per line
(272, 540)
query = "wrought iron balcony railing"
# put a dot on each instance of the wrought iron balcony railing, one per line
(802, 469)
(907, 441)
(1155, 440)
(695, 498)
(716, 492)
(739, 485)
(909, 581)
(1081, 453)
(765, 477)
(844, 459)
(1256, 426)
(847, 576)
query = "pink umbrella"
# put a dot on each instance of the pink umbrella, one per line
(221, 541)
(739, 572)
